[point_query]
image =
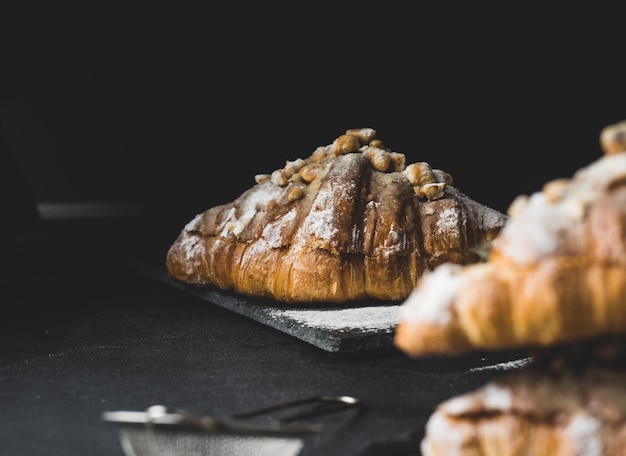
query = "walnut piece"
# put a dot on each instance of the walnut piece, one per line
(613, 138)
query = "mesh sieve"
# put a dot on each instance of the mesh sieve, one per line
(160, 431)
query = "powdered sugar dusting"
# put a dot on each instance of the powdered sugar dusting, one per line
(192, 224)
(458, 405)
(609, 169)
(448, 220)
(229, 220)
(257, 199)
(193, 252)
(431, 302)
(370, 318)
(538, 229)
(584, 430)
(491, 218)
(539, 226)
(320, 222)
(191, 247)
(497, 397)
(272, 232)
(439, 429)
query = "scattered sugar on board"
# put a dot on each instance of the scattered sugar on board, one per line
(506, 366)
(373, 318)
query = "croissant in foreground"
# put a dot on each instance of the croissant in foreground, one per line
(350, 222)
(556, 272)
(554, 283)
(564, 407)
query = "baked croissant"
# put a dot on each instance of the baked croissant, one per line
(350, 222)
(533, 412)
(556, 272)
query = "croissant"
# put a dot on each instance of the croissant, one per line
(533, 412)
(350, 222)
(556, 272)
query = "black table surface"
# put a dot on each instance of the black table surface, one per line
(84, 333)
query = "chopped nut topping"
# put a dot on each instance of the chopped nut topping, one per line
(427, 182)
(365, 135)
(379, 158)
(346, 144)
(319, 154)
(613, 138)
(555, 189)
(420, 174)
(377, 143)
(280, 178)
(380, 161)
(292, 167)
(431, 191)
(262, 178)
(295, 193)
(309, 172)
(398, 161)
(517, 205)
(442, 176)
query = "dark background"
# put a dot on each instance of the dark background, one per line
(178, 106)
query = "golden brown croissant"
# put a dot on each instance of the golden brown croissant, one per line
(534, 412)
(350, 222)
(556, 271)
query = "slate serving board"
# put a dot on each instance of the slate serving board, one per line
(358, 327)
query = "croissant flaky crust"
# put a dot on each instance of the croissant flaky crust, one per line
(533, 412)
(350, 222)
(556, 272)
